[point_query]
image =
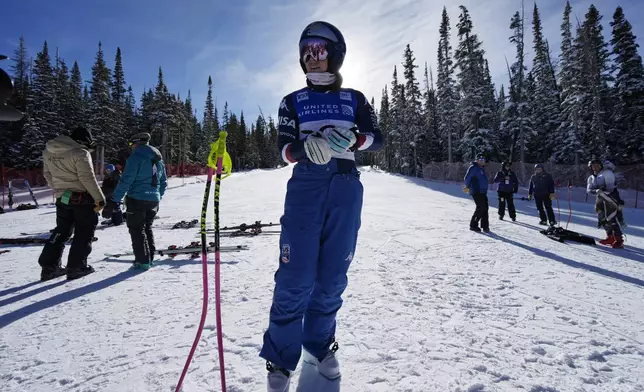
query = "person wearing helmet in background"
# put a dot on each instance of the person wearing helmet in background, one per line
(508, 186)
(542, 188)
(111, 180)
(476, 183)
(321, 127)
(608, 204)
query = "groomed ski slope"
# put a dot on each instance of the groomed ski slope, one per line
(430, 305)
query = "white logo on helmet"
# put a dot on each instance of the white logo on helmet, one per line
(321, 30)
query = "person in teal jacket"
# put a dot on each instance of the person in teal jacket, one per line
(144, 181)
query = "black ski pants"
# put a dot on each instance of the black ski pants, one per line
(544, 205)
(507, 198)
(80, 219)
(481, 212)
(607, 214)
(139, 217)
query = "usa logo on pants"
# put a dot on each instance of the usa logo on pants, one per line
(286, 253)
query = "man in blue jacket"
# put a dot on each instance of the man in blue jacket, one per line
(508, 186)
(144, 181)
(542, 186)
(476, 184)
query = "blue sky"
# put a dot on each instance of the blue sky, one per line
(250, 46)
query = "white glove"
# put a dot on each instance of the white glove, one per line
(317, 149)
(340, 139)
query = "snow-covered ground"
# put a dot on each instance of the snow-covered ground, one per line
(430, 305)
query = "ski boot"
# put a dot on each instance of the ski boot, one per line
(543, 223)
(141, 266)
(76, 273)
(500, 217)
(475, 228)
(52, 273)
(619, 242)
(278, 378)
(553, 223)
(610, 240)
(514, 219)
(320, 375)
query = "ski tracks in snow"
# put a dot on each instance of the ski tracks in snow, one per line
(430, 306)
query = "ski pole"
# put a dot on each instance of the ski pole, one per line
(220, 149)
(204, 263)
(557, 197)
(569, 205)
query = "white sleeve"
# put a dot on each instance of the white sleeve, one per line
(591, 184)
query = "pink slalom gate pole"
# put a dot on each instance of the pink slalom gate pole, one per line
(204, 263)
(220, 344)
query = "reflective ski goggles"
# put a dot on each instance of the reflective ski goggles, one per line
(316, 49)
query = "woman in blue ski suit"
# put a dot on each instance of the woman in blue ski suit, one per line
(320, 128)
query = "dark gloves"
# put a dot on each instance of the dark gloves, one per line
(110, 206)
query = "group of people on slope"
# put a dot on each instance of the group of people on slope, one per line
(69, 171)
(601, 182)
(322, 209)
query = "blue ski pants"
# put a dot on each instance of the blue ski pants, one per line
(318, 240)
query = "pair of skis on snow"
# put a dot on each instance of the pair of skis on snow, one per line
(173, 250)
(560, 234)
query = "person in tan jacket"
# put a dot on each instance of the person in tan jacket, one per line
(68, 169)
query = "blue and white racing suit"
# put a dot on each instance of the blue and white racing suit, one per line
(320, 222)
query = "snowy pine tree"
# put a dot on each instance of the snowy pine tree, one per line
(385, 157)
(240, 141)
(431, 145)
(163, 117)
(42, 116)
(413, 128)
(209, 122)
(474, 113)
(501, 137)
(446, 88)
(20, 76)
(546, 101)
(76, 114)
(63, 95)
(120, 109)
(568, 148)
(516, 120)
(397, 120)
(193, 131)
(627, 134)
(593, 55)
(100, 108)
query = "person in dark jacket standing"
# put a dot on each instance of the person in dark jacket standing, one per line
(111, 180)
(542, 187)
(145, 182)
(508, 186)
(476, 184)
